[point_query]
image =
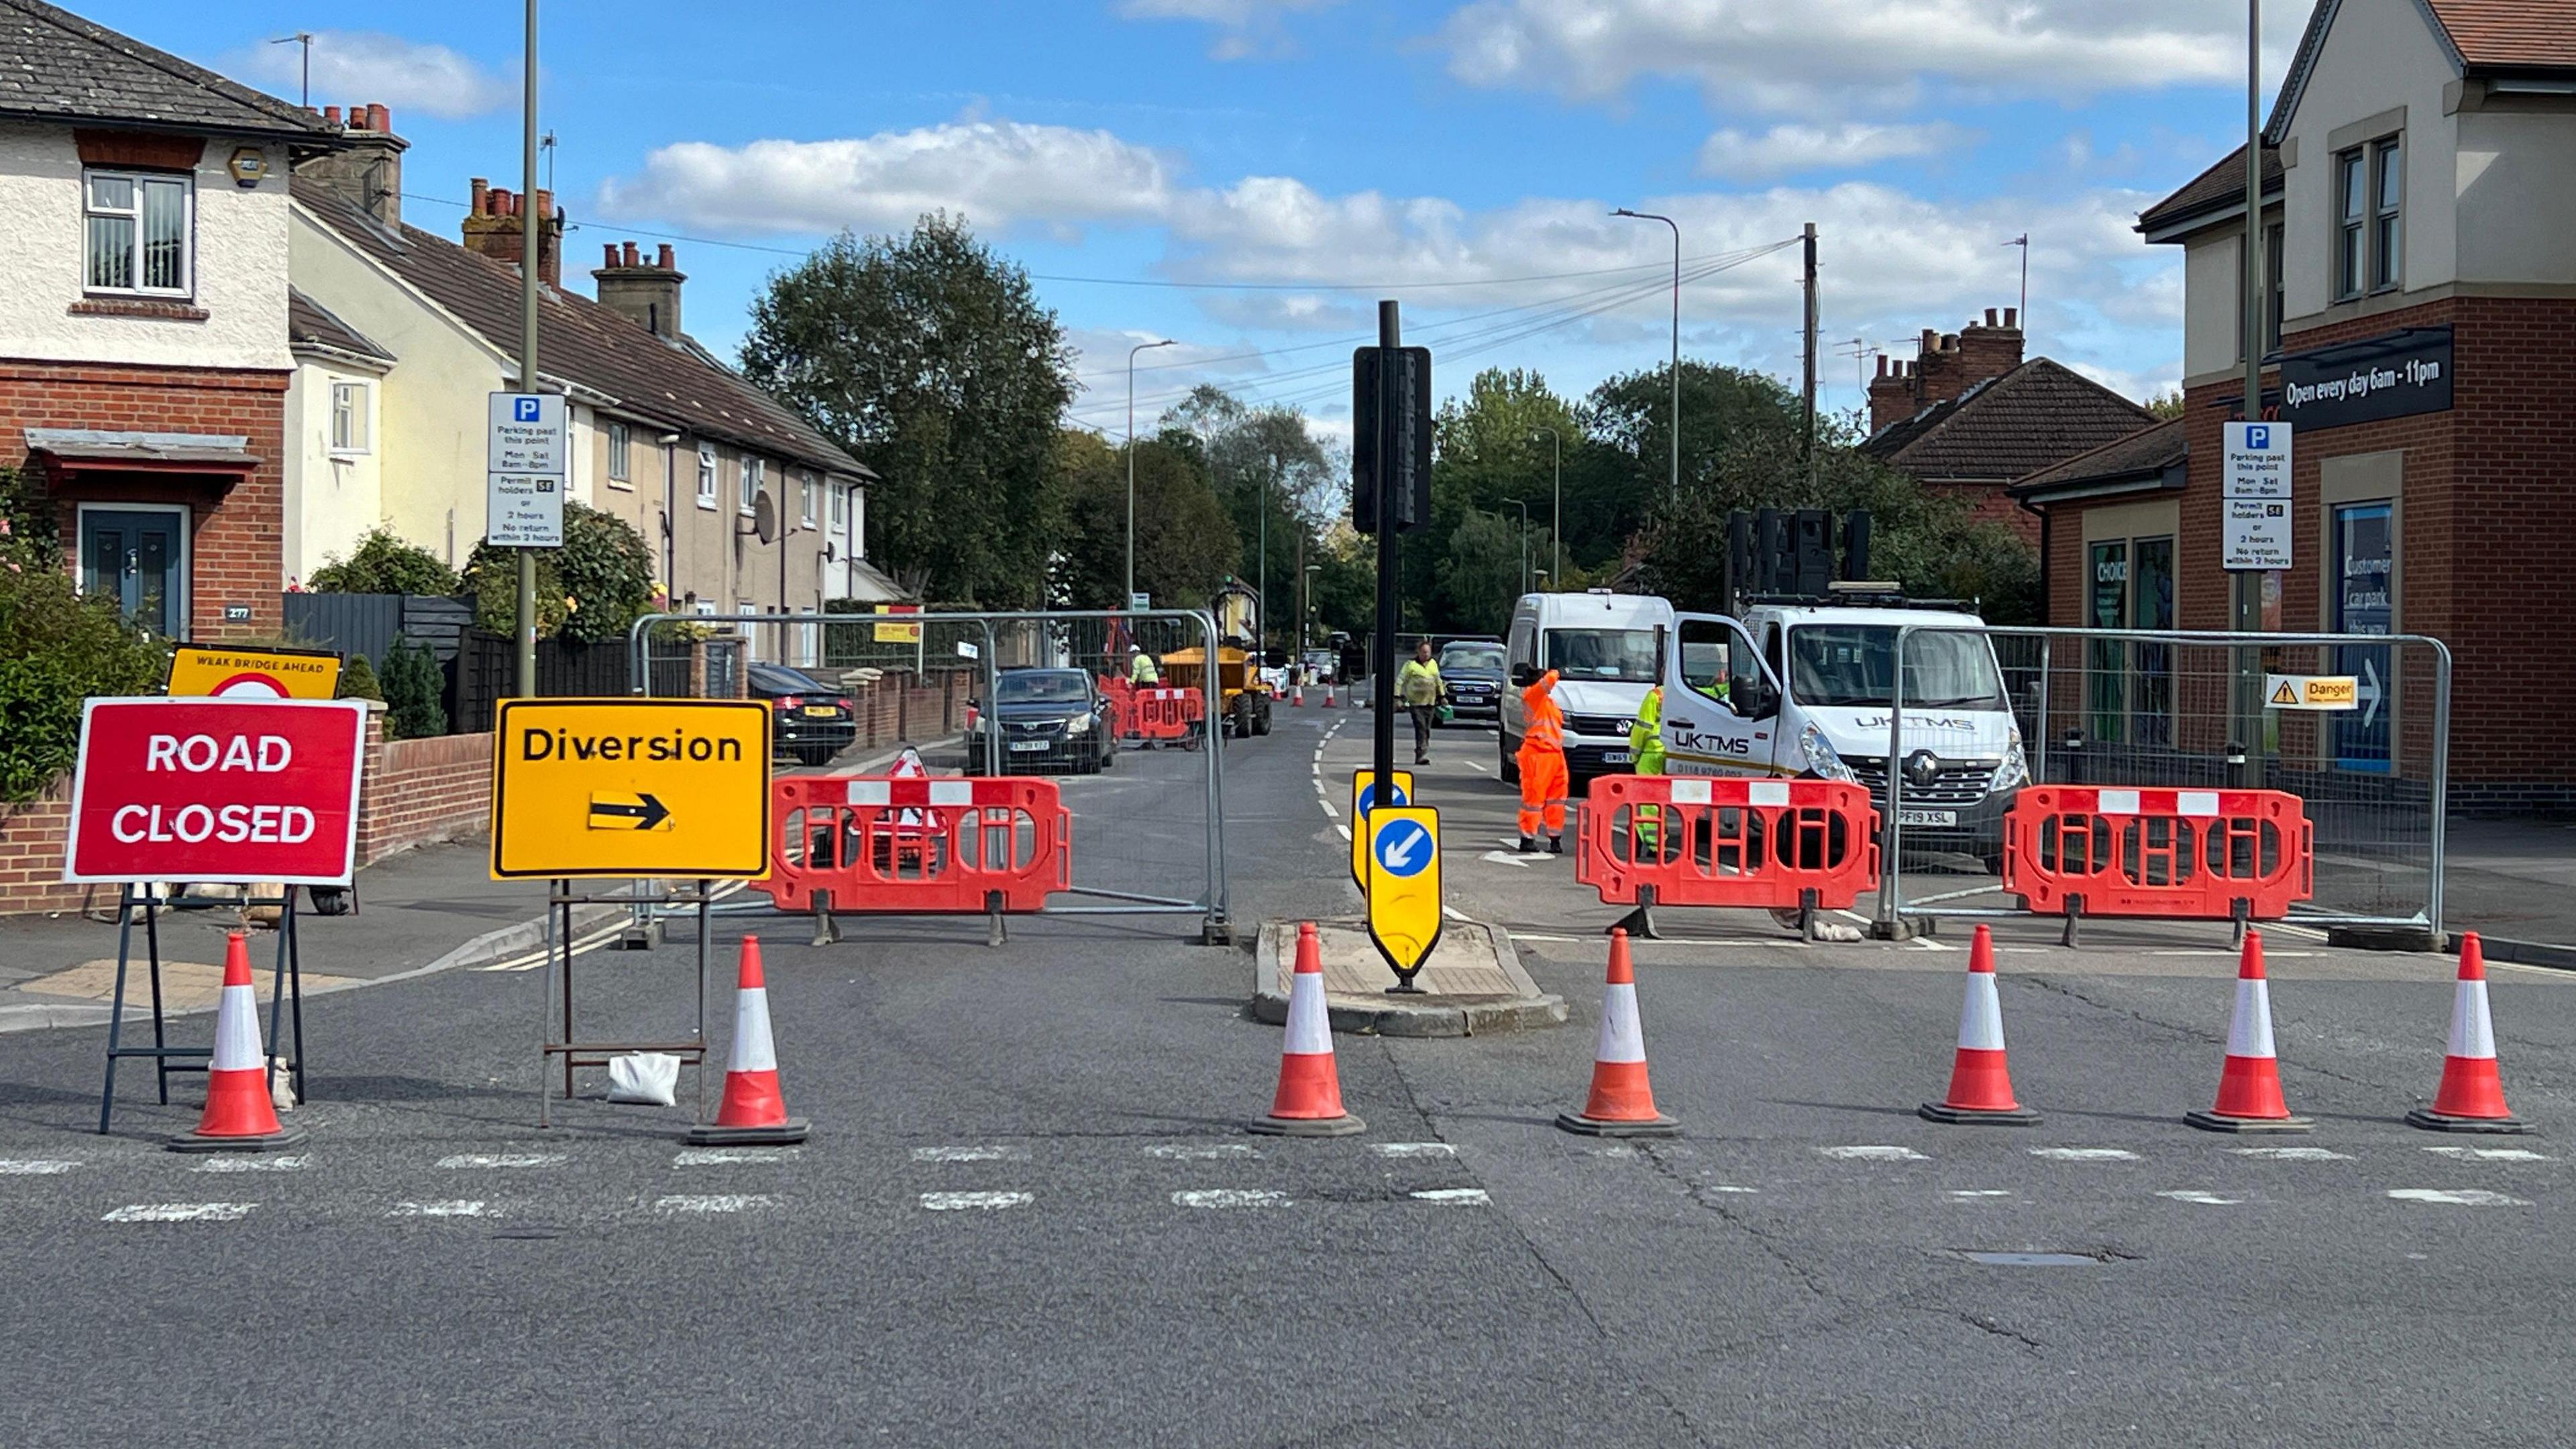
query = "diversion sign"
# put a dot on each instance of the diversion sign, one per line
(617, 788)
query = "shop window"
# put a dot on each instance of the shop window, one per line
(139, 236)
(2129, 691)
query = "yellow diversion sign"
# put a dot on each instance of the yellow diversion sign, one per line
(590, 788)
(1404, 885)
(1363, 799)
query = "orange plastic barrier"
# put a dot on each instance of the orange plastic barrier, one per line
(1651, 840)
(877, 844)
(1156, 712)
(2080, 850)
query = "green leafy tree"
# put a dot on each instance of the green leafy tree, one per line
(415, 692)
(930, 357)
(591, 589)
(58, 647)
(383, 563)
(1185, 545)
(1479, 573)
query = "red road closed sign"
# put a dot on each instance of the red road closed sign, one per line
(216, 790)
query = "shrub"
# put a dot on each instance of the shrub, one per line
(358, 680)
(590, 589)
(57, 648)
(415, 693)
(385, 564)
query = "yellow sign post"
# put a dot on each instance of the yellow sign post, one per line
(204, 671)
(1362, 798)
(1404, 887)
(2312, 691)
(613, 788)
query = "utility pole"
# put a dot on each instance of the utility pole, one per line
(1676, 482)
(531, 227)
(2249, 582)
(1810, 331)
(1130, 600)
(1261, 584)
(1523, 505)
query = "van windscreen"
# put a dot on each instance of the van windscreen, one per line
(1585, 654)
(1849, 664)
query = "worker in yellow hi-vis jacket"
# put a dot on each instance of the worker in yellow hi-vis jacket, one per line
(1646, 751)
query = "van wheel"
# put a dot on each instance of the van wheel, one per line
(1510, 769)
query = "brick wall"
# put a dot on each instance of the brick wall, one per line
(31, 854)
(236, 543)
(418, 792)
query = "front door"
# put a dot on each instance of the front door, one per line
(138, 556)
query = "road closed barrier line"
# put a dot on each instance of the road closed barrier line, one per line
(2077, 851)
(1649, 840)
(908, 846)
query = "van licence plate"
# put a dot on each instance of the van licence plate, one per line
(1617, 757)
(1927, 817)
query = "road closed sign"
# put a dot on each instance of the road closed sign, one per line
(1404, 884)
(230, 791)
(614, 788)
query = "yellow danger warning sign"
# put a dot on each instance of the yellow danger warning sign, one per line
(2312, 691)
(615, 788)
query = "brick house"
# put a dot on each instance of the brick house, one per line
(1968, 417)
(144, 356)
(664, 435)
(2419, 229)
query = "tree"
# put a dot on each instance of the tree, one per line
(1261, 460)
(383, 563)
(1479, 573)
(1185, 546)
(591, 589)
(415, 691)
(929, 357)
(58, 646)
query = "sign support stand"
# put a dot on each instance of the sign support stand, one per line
(577, 1053)
(287, 983)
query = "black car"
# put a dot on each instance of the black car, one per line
(1473, 680)
(810, 721)
(1051, 720)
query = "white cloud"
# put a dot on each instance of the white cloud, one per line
(1245, 28)
(998, 174)
(1795, 147)
(368, 66)
(1815, 53)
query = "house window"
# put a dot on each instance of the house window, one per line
(752, 469)
(2275, 295)
(840, 506)
(348, 417)
(805, 499)
(706, 476)
(2352, 198)
(2129, 690)
(138, 234)
(619, 441)
(2387, 234)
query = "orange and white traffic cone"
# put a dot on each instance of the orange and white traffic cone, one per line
(1980, 1085)
(1328, 695)
(2471, 1098)
(1297, 696)
(753, 1111)
(239, 1115)
(2249, 1086)
(1621, 1103)
(1309, 1100)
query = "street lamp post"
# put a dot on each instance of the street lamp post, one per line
(1261, 583)
(1131, 465)
(1556, 512)
(1677, 336)
(1524, 508)
(1306, 607)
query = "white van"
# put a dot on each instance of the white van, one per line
(1604, 649)
(1803, 689)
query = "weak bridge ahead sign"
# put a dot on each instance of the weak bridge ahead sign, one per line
(611, 788)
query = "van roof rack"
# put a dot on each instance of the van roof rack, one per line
(1864, 596)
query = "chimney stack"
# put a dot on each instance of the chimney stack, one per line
(496, 227)
(644, 293)
(1891, 395)
(1990, 351)
(367, 169)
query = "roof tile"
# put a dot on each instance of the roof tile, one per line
(2008, 428)
(55, 65)
(2511, 34)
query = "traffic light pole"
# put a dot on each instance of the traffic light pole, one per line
(1390, 441)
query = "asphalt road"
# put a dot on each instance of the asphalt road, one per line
(1028, 1214)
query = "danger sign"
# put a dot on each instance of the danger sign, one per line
(217, 790)
(2312, 691)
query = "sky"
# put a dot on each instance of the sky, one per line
(1248, 177)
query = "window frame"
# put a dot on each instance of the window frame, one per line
(141, 178)
(357, 415)
(2387, 217)
(751, 473)
(840, 505)
(805, 498)
(621, 454)
(2276, 292)
(710, 490)
(2350, 261)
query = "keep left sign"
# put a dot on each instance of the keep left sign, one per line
(230, 791)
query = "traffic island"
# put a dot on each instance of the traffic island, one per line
(1472, 983)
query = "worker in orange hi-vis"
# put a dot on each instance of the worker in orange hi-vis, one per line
(1542, 760)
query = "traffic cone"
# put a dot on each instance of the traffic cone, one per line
(2471, 1098)
(1980, 1086)
(2249, 1087)
(1297, 696)
(239, 1116)
(752, 1111)
(1621, 1103)
(1328, 695)
(1309, 1101)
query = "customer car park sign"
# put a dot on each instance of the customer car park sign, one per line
(229, 790)
(613, 788)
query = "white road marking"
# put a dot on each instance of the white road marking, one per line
(252, 1164)
(1328, 808)
(2491, 1154)
(34, 1167)
(1413, 1149)
(2461, 1197)
(1346, 831)
(714, 1156)
(970, 1154)
(2293, 1154)
(1723, 1187)
(1874, 1154)
(1230, 1197)
(1559, 940)
(580, 947)
(1453, 913)
(454, 1208)
(721, 1202)
(1965, 1193)
(1506, 857)
(1462, 1196)
(179, 1212)
(1201, 1152)
(2204, 1199)
(2085, 1154)
(1475, 764)
(501, 1159)
(950, 1202)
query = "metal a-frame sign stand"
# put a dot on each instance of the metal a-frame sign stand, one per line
(286, 991)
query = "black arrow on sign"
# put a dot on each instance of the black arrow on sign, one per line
(647, 812)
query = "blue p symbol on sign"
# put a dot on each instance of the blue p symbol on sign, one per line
(2258, 435)
(526, 409)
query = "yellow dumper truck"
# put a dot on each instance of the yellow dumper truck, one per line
(1239, 700)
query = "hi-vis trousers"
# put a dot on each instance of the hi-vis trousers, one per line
(1543, 786)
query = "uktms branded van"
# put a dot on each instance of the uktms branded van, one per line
(1603, 647)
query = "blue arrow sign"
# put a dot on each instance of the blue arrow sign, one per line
(1403, 848)
(1368, 797)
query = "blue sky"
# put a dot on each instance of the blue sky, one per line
(1436, 150)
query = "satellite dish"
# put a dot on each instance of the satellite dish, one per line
(764, 517)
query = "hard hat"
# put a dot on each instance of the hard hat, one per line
(1135, 648)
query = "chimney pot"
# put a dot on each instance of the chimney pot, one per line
(1949, 342)
(1882, 364)
(630, 257)
(379, 118)
(545, 207)
(1931, 340)
(610, 248)
(665, 259)
(331, 114)
(2012, 317)
(1990, 316)
(482, 196)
